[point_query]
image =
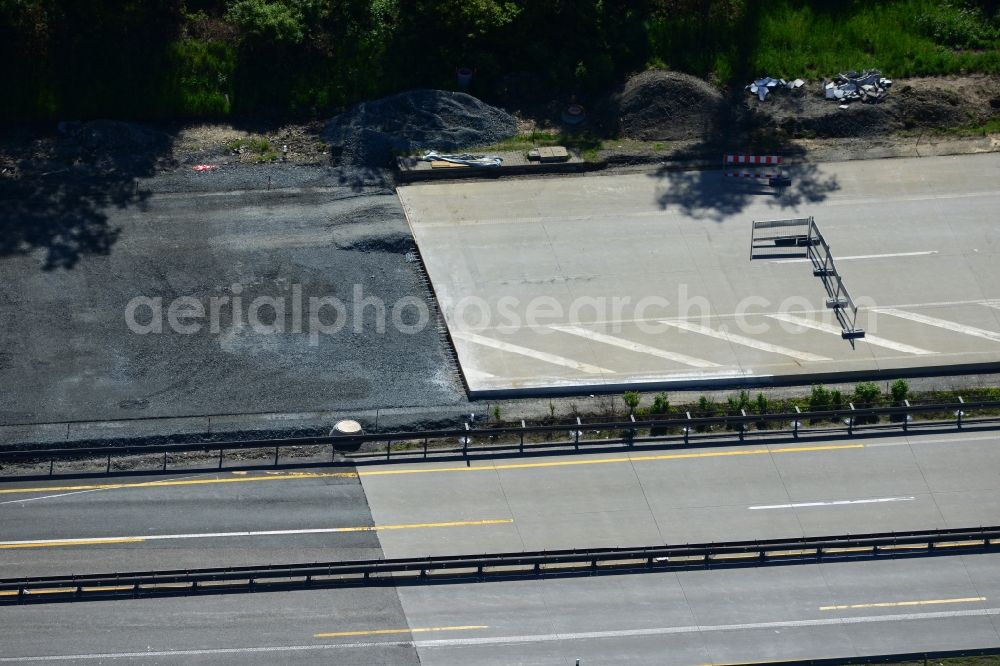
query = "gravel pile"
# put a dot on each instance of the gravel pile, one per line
(660, 105)
(369, 133)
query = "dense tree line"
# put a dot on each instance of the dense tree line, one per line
(207, 58)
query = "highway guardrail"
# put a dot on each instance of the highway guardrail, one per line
(497, 566)
(469, 441)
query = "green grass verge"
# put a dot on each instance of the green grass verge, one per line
(260, 148)
(795, 38)
(904, 38)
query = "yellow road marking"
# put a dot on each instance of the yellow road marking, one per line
(895, 604)
(383, 632)
(607, 461)
(48, 543)
(434, 470)
(184, 482)
(456, 523)
(72, 542)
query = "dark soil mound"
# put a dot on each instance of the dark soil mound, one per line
(661, 105)
(806, 112)
(368, 134)
(918, 108)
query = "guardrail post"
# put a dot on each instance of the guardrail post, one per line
(465, 442)
(425, 448)
(576, 434)
(220, 457)
(523, 426)
(164, 461)
(631, 432)
(959, 413)
(795, 423)
(850, 420)
(906, 417)
(388, 448)
(333, 452)
(275, 456)
(687, 428)
(108, 469)
(52, 461)
(743, 425)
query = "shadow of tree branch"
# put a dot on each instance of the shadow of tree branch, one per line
(709, 194)
(58, 203)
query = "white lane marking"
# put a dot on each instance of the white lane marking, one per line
(220, 535)
(520, 639)
(530, 353)
(941, 323)
(636, 347)
(80, 492)
(746, 342)
(33, 499)
(860, 256)
(835, 330)
(875, 500)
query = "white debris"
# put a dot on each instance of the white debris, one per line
(762, 87)
(870, 86)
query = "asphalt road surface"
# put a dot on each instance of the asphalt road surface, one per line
(575, 501)
(606, 282)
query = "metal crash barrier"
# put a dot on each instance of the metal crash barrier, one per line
(497, 566)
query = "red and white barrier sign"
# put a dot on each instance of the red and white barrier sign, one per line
(758, 166)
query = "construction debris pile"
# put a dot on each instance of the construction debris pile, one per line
(869, 86)
(762, 87)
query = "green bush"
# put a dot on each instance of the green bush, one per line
(631, 399)
(955, 26)
(660, 407)
(899, 390)
(819, 399)
(198, 85)
(867, 394)
(763, 407)
(272, 21)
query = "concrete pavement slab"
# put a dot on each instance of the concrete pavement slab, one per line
(514, 263)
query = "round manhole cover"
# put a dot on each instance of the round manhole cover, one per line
(347, 427)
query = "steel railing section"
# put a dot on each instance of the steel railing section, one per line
(499, 565)
(512, 439)
(838, 298)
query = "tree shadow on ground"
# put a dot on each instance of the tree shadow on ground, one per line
(710, 194)
(62, 185)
